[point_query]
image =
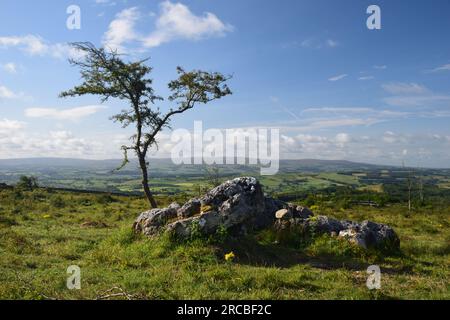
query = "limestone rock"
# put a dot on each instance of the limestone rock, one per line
(240, 206)
(150, 222)
(190, 209)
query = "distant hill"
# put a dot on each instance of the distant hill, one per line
(164, 167)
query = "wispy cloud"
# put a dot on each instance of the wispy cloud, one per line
(106, 2)
(380, 67)
(417, 101)
(404, 88)
(445, 67)
(338, 77)
(332, 43)
(315, 43)
(365, 78)
(66, 114)
(10, 67)
(276, 102)
(6, 93)
(412, 95)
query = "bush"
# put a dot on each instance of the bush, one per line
(27, 183)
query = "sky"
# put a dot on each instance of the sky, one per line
(312, 69)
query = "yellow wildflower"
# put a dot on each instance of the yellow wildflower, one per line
(47, 216)
(229, 256)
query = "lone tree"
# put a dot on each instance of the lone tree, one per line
(107, 75)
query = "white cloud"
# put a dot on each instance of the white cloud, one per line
(389, 137)
(380, 67)
(364, 78)
(342, 138)
(404, 88)
(31, 44)
(332, 43)
(11, 125)
(36, 46)
(65, 114)
(121, 29)
(10, 67)
(6, 93)
(338, 77)
(176, 21)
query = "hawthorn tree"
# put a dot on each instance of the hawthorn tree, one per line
(106, 74)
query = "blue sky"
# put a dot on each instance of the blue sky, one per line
(334, 88)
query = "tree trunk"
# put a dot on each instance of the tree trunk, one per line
(147, 191)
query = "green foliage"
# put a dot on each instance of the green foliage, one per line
(27, 183)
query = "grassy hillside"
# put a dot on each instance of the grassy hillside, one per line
(42, 233)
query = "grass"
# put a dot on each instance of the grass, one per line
(42, 233)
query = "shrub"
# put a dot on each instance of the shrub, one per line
(27, 183)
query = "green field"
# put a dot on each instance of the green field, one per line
(43, 232)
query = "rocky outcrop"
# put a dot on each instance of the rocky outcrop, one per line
(240, 206)
(369, 234)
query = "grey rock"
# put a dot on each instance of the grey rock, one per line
(353, 236)
(379, 235)
(238, 205)
(150, 222)
(190, 208)
(369, 234)
(174, 205)
(303, 213)
(324, 224)
(206, 223)
(182, 228)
